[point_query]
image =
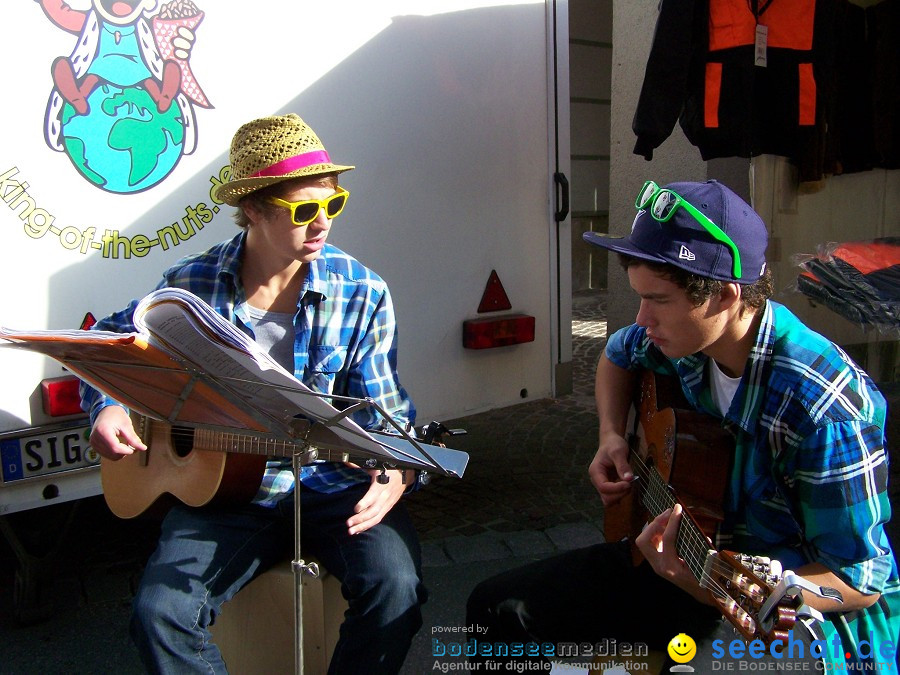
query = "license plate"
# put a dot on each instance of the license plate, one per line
(48, 453)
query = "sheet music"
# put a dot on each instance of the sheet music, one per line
(189, 365)
(190, 328)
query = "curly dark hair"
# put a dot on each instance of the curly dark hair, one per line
(699, 289)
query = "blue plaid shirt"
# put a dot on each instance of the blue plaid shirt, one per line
(345, 343)
(809, 482)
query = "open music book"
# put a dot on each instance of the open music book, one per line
(188, 366)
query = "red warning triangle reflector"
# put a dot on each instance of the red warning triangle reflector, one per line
(88, 321)
(494, 298)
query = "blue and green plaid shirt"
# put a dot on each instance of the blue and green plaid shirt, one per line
(809, 482)
(345, 343)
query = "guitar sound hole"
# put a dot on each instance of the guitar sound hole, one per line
(182, 440)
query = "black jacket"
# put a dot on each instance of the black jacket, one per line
(701, 71)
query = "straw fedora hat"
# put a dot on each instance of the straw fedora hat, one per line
(272, 149)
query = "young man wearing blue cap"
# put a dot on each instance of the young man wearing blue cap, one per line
(808, 484)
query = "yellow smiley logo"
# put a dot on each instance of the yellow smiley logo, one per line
(682, 648)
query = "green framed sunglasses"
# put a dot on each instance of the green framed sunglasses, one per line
(662, 203)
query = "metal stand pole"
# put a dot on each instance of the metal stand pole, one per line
(299, 568)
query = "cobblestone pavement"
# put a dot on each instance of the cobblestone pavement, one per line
(528, 462)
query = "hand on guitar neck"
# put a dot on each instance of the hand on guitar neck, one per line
(113, 435)
(388, 486)
(657, 544)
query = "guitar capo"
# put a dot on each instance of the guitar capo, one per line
(792, 586)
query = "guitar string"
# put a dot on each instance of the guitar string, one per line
(692, 548)
(243, 443)
(240, 442)
(695, 549)
(694, 541)
(658, 498)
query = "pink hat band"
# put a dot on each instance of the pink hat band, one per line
(269, 150)
(291, 164)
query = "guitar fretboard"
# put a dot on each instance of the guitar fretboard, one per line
(656, 496)
(224, 441)
(243, 443)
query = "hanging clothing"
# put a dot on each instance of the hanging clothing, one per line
(743, 77)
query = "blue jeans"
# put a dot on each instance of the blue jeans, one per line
(206, 555)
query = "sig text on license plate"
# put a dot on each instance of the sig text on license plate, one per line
(42, 454)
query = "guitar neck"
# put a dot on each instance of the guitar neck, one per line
(691, 544)
(225, 441)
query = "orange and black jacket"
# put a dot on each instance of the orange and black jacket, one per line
(701, 71)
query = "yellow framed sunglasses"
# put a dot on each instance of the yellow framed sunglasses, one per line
(306, 211)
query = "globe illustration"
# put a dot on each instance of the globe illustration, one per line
(123, 144)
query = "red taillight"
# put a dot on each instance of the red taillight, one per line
(511, 329)
(60, 396)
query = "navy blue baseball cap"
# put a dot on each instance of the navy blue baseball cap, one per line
(684, 241)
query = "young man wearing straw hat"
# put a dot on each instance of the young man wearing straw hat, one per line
(808, 483)
(329, 320)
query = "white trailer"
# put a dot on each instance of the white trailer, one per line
(447, 108)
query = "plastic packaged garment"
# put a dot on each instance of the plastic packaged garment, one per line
(860, 280)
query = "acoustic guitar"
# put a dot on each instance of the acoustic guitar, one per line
(197, 466)
(681, 456)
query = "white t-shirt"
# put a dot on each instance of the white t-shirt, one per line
(723, 387)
